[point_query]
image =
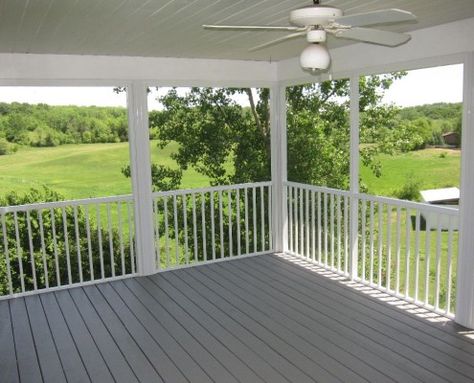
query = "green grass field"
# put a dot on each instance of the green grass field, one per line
(433, 168)
(80, 171)
(94, 170)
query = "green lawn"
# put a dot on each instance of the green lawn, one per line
(93, 170)
(433, 168)
(80, 171)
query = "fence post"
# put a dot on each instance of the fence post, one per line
(354, 175)
(465, 267)
(140, 167)
(279, 166)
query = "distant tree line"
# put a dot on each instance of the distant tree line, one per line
(43, 125)
(416, 127)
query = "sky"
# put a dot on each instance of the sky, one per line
(423, 86)
(427, 86)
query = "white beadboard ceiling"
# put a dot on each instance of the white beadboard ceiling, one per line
(172, 28)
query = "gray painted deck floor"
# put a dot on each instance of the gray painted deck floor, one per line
(259, 319)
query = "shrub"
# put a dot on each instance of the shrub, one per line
(59, 228)
(6, 147)
(410, 190)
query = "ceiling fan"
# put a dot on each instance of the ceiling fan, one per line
(316, 21)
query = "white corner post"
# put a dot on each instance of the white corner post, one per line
(279, 169)
(140, 167)
(465, 267)
(354, 175)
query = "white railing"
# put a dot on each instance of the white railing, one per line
(211, 224)
(52, 245)
(318, 225)
(406, 249)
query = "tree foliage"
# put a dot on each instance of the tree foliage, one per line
(44, 125)
(231, 144)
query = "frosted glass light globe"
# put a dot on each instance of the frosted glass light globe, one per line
(315, 57)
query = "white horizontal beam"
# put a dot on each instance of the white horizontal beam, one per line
(34, 69)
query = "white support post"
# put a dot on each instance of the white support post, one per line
(140, 167)
(465, 271)
(279, 169)
(354, 174)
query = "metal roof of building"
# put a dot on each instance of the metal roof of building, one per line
(439, 195)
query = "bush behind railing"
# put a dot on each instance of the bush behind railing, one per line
(57, 246)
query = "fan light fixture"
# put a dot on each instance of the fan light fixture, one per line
(315, 57)
(316, 20)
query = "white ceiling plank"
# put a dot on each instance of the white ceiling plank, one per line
(173, 28)
(13, 11)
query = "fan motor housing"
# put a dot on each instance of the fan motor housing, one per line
(316, 36)
(314, 15)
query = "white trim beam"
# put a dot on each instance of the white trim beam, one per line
(34, 69)
(465, 271)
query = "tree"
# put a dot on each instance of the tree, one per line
(231, 144)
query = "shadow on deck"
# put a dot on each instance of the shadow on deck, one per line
(258, 319)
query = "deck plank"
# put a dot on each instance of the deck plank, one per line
(276, 336)
(8, 365)
(46, 349)
(27, 359)
(195, 307)
(442, 335)
(332, 356)
(204, 357)
(85, 343)
(119, 366)
(271, 356)
(256, 319)
(175, 358)
(133, 354)
(71, 360)
(402, 343)
(226, 358)
(318, 329)
(310, 319)
(144, 338)
(248, 368)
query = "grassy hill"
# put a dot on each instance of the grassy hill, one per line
(432, 168)
(80, 171)
(92, 170)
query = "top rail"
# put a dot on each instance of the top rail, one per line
(385, 200)
(66, 203)
(210, 189)
(410, 204)
(322, 189)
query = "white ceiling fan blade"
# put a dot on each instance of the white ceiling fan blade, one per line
(253, 27)
(276, 41)
(375, 36)
(383, 16)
